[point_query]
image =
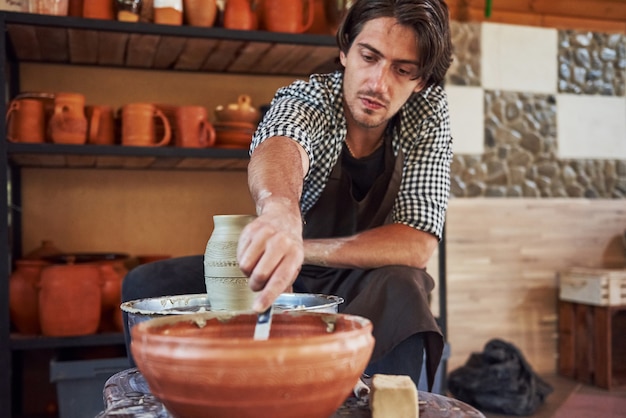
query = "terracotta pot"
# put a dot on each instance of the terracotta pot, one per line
(239, 14)
(291, 16)
(208, 365)
(242, 111)
(24, 296)
(139, 128)
(226, 285)
(193, 130)
(70, 299)
(200, 12)
(99, 9)
(68, 124)
(101, 121)
(168, 12)
(112, 274)
(25, 120)
(46, 249)
(320, 23)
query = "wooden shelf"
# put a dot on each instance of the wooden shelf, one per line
(124, 157)
(26, 342)
(77, 41)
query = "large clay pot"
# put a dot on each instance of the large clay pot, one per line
(70, 299)
(209, 365)
(112, 274)
(24, 296)
(68, 124)
(288, 15)
(226, 285)
(239, 14)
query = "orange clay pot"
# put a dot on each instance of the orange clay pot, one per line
(209, 365)
(24, 296)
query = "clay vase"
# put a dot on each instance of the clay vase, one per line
(101, 125)
(200, 12)
(112, 274)
(25, 120)
(226, 285)
(193, 130)
(239, 15)
(99, 9)
(70, 299)
(168, 12)
(139, 125)
(288, 15)
(68, 124)
(24, 296)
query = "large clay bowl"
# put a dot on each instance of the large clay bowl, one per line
(209, 365)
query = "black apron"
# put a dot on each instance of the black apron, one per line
(394, 298)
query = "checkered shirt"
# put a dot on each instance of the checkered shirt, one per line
(311, 113)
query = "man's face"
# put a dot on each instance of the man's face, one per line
(380, 70)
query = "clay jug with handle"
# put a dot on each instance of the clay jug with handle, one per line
(139, 125)
(240, 15)
(101, 125)
(193, 130)
(291, 16)
(68, 124)
(25, 121)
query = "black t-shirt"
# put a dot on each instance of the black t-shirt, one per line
(363, 171)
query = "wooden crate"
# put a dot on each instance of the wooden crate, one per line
(600, 287)
(592, 344)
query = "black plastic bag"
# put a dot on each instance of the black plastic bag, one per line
(499, 380)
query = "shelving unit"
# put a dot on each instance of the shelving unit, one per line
(144, 46)
(112, 44)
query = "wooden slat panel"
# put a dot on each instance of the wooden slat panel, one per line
(567, 333)
(523, 6)
(168, 51)
(112, 48)
(274, 55)
(502, 268)
(574, 23)
(318, 56)
(53, 43)
(248, 56)
(584, 343)
(141, 49)
(297, 57)
(25, 42)
(498, 16)
(83, 46)
(195, 53)
(588, 9)
(80, 161)
(602, 347)
(222, 55)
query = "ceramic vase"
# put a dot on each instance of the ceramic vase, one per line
(24, 296)
(70, 299)
(226, 285)
(68, 124)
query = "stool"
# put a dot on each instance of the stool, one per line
(592, 343)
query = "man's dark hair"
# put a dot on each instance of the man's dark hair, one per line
(428, 18)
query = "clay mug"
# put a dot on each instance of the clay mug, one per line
(139, 122)
(101, 125)
(193, 130)
(200, 12)
(240, 15)
(68, 123)
(288, 15)
(25, 121)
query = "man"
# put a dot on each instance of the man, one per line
(350, 175)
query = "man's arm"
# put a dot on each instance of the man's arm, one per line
(393, 244)
(270, 248)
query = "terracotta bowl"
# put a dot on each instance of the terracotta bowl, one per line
(209, 365)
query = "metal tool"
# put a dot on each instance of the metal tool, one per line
(263, 324)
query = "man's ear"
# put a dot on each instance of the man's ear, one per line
(420, 85)
(342, 58)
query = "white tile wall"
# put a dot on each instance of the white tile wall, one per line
(591, 127)
(467, 119)
(519, 58)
